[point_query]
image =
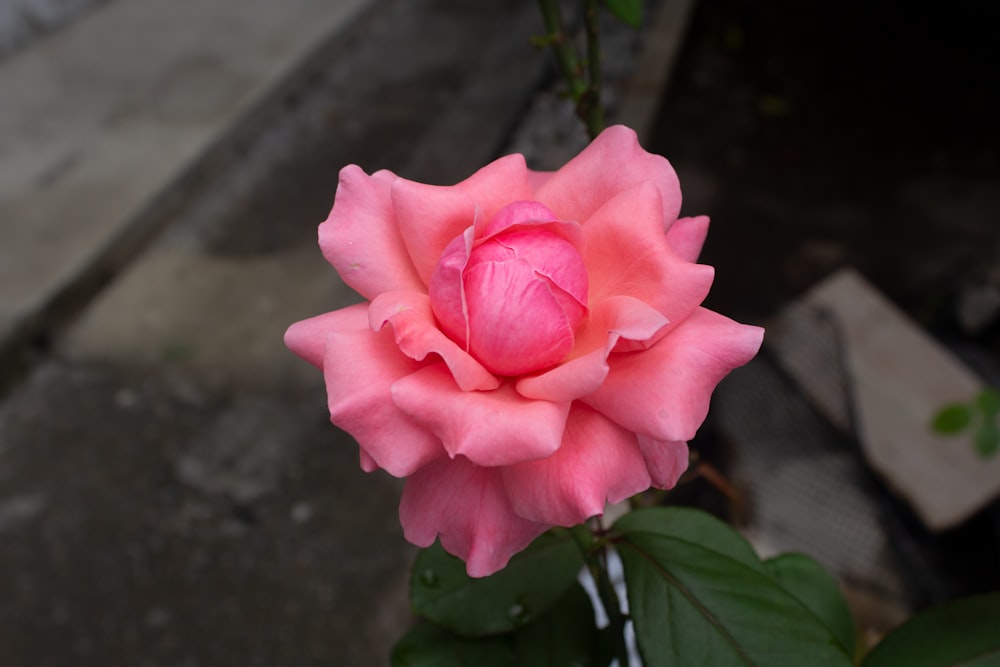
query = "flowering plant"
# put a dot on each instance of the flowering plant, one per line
(532, 348)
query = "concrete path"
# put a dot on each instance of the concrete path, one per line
(105, 124)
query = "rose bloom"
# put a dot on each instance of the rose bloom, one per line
(532, 347)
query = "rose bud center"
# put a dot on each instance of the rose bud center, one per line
(518, 299)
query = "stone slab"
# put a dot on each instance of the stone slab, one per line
(874, 372)
(101, 121)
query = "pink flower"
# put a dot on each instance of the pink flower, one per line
(533, 344)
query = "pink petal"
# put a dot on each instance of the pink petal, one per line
(491, 428)
(598, 462)
(627, 254)
(360, 237)
(616, 319)
(687, 236)
(467, 506)
(430, 216)
(551, 256)
(417, 335)
(360, 367)
(368, 464)
(308, 337)
(531, 216)
(517, 213)
(516, 325)
(666, 461)
(537, 178)
(663, 392)
(612, 163)
(447, 290)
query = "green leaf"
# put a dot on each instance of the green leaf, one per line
(952, 419)
(696, 526)
(987, 439)
(629, 11)
(807, 580)
(565, 636)
(988, 402)
(427, 645)
(963, 632)
(532, 582)
(697, 602)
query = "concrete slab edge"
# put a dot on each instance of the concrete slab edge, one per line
(27, 337)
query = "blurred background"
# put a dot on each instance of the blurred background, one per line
(171, 491)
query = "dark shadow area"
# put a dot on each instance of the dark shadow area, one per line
(822, 135)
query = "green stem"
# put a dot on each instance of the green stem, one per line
(562, 47)
(593, 113)
(597, 563)
(584, 87)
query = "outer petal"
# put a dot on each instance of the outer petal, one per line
(360, 237)
(627, 253)
(417, 335)
(687, 236)
(598, 462)
(491, 428)
(663, 392)
(536, 179)
(612, 163)
(431, 216)
(615, 319)
(308, 337)
(467, 506)
(666, 461)
(360, 367)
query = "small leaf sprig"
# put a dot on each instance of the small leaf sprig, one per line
(981, 416)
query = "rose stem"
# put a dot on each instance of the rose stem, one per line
(586, 94)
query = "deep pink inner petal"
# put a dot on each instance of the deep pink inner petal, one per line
(517, 213)
(550, 256)
(447, 293)
(516, 325)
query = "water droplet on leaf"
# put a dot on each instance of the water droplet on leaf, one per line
(429, 578)
(519, 612)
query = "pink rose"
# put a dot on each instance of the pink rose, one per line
(533, 344)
